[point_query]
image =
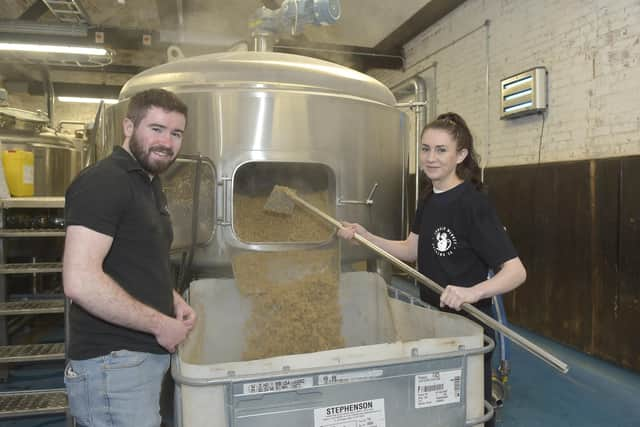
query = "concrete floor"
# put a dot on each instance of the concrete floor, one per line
(593, 393)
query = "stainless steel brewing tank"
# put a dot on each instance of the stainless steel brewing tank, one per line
(264, 118)
(57, 158)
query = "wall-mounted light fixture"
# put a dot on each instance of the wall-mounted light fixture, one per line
(85, 100)
(524, 93)
(44, 48)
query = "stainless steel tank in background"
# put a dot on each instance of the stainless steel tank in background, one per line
(57, 158)
(261, 118)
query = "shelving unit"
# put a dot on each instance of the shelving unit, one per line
(31, 402)
(30, 233)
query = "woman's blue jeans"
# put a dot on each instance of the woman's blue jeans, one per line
(119, 389)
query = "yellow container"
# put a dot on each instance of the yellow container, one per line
(18, 170)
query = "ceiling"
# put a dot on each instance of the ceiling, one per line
(369, 34)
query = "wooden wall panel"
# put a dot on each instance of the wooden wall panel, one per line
(514, 187)
(628, 309)
(546, 214)
(576, 227)
(564, 210)
(605, 249)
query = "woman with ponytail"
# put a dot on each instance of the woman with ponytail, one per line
(456, 236)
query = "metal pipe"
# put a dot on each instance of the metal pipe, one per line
(180, 18)
(473, 311)
(341, 52)
(418, 86)
(97, 134)
(367, 202)
(485, 157)
(411, 104)
(48, 29)
(49, 95)
(483, 419)
(262, 41)
(180, 15)
(67, 327)
(69, 122)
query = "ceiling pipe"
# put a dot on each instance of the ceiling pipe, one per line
(291, 17)
(180, 13)
(50, 29)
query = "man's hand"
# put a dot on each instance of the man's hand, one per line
(183, 311)
(171, 332)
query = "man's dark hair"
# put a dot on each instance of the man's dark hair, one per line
(140, 103)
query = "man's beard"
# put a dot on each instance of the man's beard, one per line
(143, 157)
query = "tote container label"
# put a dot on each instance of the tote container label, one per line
(437, 388)
(368, 413)
(275, 386)
(348, 377)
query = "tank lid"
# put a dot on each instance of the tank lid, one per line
(240, 68)
(24, 115)
(14, 118)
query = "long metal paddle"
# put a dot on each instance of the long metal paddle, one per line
(283, 200)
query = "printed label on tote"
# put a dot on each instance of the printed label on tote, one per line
(348, 377)
(437, 388)
(284, 384)
(368, 413)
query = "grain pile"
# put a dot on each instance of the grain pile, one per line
(294, 294)
(295, 302)
(253, 224)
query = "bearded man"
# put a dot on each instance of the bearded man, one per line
(125, 318)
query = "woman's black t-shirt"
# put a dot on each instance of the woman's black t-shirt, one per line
(460, 240)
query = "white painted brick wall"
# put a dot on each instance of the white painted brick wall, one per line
(591, 49)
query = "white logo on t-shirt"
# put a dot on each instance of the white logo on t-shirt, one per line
(444, 241)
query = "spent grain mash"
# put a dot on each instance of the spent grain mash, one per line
(253, 224)
(294, 294)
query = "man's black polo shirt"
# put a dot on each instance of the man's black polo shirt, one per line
(116, 197)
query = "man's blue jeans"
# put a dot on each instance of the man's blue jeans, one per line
(119, 389)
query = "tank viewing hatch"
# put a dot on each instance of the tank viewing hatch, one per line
(254, 182)
(187, 177)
